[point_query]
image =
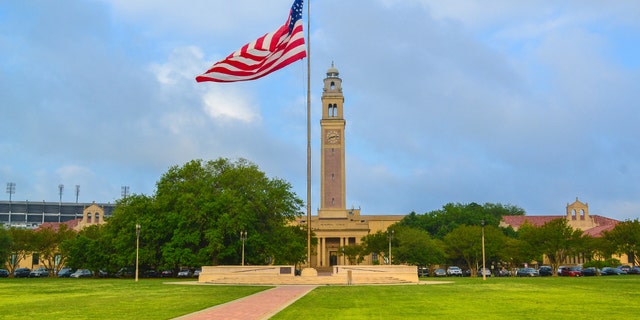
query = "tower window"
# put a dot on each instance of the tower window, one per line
(333, 176)
(332, 110)
(333, 85)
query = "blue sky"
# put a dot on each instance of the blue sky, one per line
(527, 103)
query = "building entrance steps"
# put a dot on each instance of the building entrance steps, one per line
(261, 305)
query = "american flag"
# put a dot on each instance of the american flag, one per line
(267, 54)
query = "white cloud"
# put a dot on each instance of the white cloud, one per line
(230, 104)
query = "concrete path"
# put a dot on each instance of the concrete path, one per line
(261, 305)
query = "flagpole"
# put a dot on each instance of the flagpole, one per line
(309, 133)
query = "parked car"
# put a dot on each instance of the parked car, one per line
(166, 274)
(4, 273)
(82, 273)
(65, 273)
(607, 271)
(184, 273)
(625, 268)
(634, 270)
(487, 272)
(422, 272)
(125, 273)
(454, 271)
(39, 273)
(150, 274)
(589, 272)
(504, 273)
(196, 273)
(527, 272)
(439, 273)
(545, 271)
(571, 272)
(21, 273)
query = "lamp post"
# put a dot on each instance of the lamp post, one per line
(390, 236)
(137, 248)
(243, 236)
(484, 276)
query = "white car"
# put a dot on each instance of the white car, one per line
(184, 274)
(454, 271)
(487, 272)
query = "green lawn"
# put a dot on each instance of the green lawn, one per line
(614, 297)
(54, 298)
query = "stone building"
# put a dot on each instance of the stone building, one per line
(578, 217)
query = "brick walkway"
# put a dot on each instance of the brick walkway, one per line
(261, 305)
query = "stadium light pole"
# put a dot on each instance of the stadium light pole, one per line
(11, 189)
(60, 189)
(137, 248)
(243, 236)
(484, 275)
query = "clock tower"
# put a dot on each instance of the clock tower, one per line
(332, 176)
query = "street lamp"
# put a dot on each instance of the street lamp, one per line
(243, 236)
(390, 236)
(484, 276)
(137, 248)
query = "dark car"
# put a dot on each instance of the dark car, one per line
(197, 272)
(39, 273)
(504, 273)
(4, 273)
(624, 268)
(527, 272)
(439, 273)
(589, 272)
(166, 274)
(21, 273)
(82, 273)
(150, 274)
(65, 273)
(125, 273)
(570, 272)
(611, 271)
(634, 270)
(545, 271)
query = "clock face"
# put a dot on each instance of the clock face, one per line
(333, 137)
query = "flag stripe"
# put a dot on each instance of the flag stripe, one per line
(271, 52)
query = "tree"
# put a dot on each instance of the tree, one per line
(198, 212)
(89, 249)
(211, 202)
(555, 239)
(377, 243)
(5, 245)
(46, 242)
(354, 253)
(415, 247)
(465, 244)
(439, 223)
(20, 247)
(625, 237)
